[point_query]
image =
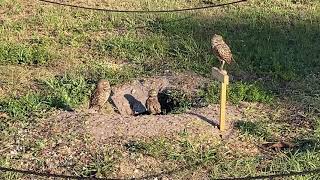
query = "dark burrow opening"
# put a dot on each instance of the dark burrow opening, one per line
(175, 101)
(172, 101)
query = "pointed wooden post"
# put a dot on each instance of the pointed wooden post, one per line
(223, 77)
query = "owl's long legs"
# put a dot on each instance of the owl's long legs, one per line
(222, 64)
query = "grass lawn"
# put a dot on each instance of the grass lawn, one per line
(52, 56)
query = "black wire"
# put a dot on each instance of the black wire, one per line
(49, 174)
(78, 177)
(301, 173)
(141, 11)
(239, 178)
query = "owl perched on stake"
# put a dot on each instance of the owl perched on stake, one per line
(153, 106)
(100, 95)
(221, 50)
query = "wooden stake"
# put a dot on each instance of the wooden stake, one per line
(223, 101)
(223, 77)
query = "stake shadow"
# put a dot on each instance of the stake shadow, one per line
(212, 122)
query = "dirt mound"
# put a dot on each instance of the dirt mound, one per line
(130, 97)
(200, 122)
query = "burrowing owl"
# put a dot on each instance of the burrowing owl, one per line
(153, 106)
(100, 95)
(221, 50)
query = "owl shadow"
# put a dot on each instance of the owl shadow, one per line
(136, 106)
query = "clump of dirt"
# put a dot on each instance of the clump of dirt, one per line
(174, 91)
(189, 83)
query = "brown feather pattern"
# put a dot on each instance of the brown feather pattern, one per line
(221, 49)
(100, 95)
(152, 104)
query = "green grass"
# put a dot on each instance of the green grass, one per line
(237, 92)
(27, 106)
(216, 161)
(275, 44)
(298, 161)
(242, 91)
(116, 75)
(184, 151)
(102, 165)
(258, 130)
(7, 175)
(14, 53)
(282, 48)
(61, 92)
(134, 48)
(68, 91)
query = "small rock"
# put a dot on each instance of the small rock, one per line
(164, 178)
(13, 152)
(136, 171)
(4, 115)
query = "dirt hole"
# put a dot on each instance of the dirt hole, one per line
(174, 101)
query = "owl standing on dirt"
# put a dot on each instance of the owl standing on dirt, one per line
(153, 106)
(221, 50)
(100, 95)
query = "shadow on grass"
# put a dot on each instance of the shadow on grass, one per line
(60, 104)
(278, 49)
(282, 54)
(255, 129)
(271, 49)
(304, 144)
(266, 48)
(300, 144)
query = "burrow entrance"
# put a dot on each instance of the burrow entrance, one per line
(130, 99)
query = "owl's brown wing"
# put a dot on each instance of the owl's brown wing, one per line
(158, 107)
(94, 100)
(223, 52)
(217, 53)
(153, 106)
(100, 96)
(148, 104)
